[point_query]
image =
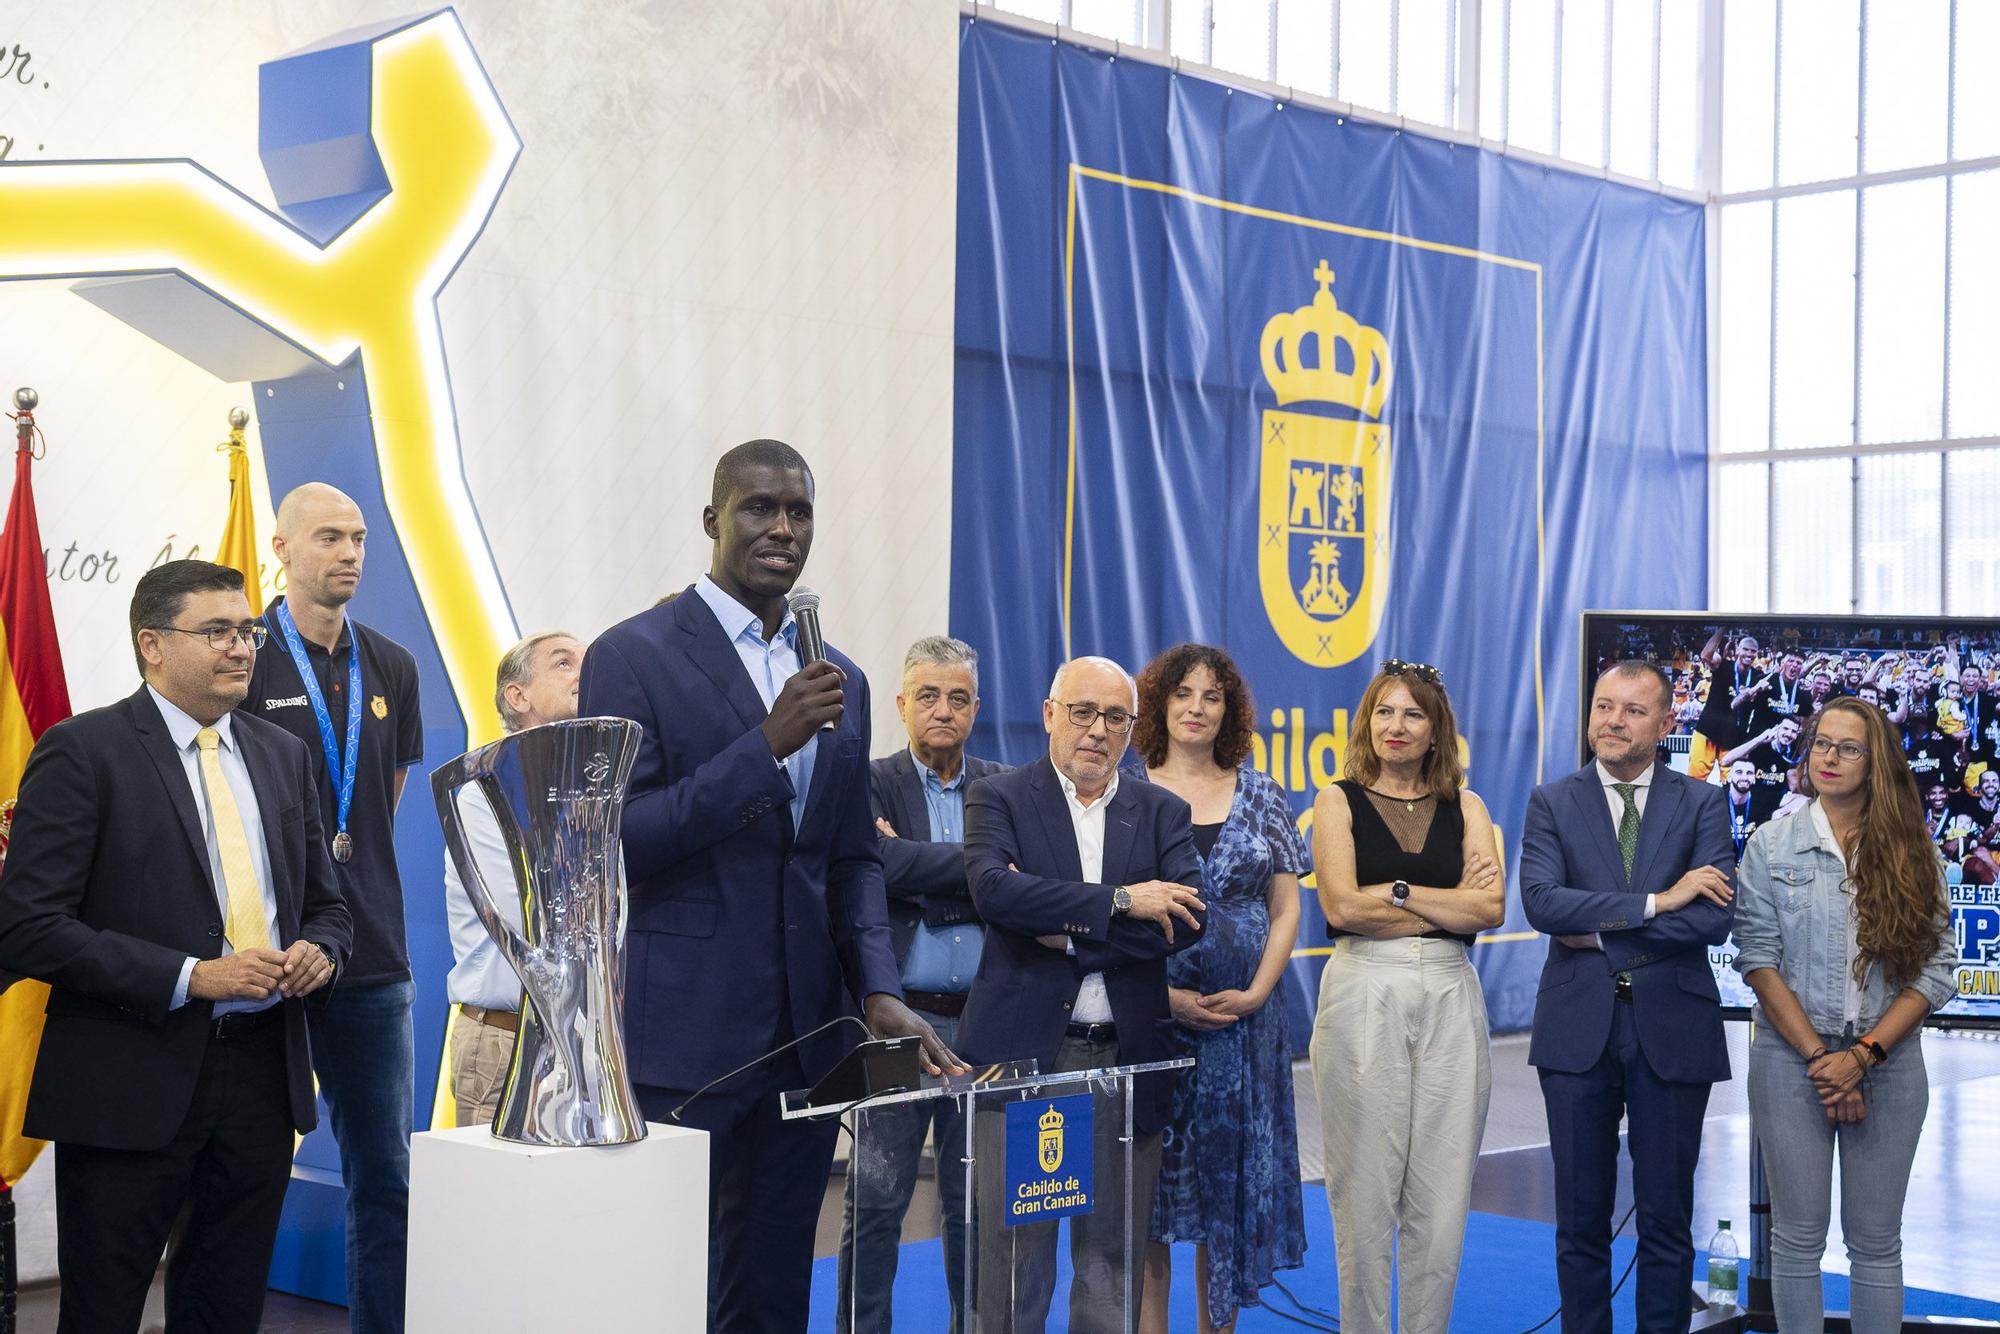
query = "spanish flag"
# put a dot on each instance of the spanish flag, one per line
(238, 548)
(33, 698)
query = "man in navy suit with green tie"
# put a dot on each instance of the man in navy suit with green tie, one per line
(1627, 864)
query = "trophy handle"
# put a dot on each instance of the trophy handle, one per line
(445, 786)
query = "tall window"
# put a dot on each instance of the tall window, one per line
(1604, 85)
(1858, 404)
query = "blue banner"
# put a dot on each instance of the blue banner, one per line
(1050, 1156)
(1322, 393)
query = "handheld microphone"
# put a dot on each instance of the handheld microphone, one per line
(804, 604)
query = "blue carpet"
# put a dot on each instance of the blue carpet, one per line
(1506, 1284)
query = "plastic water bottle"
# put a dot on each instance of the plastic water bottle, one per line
(1722, 1269)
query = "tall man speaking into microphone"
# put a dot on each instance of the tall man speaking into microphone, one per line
(757, 911)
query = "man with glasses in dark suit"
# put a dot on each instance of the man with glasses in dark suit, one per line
(1087, 880)
(168, 878)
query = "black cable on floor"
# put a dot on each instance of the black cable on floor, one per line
(1293, 1297)
(1327, 1322)
(1615, 1286)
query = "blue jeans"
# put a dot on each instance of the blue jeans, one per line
(881, 1177)
(364, 1053)
(1875, 1158)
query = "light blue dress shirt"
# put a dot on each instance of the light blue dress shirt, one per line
(480, 974)
(770, 664)
(943, 959)
(183, 729)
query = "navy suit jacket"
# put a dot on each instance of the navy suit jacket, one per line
(926, 880)
(741, 934)
(1022, 998)
(108, 891)
(1573, 883)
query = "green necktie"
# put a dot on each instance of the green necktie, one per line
(1628, 825)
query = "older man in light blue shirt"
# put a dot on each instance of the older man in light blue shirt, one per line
(536, 684)
(918, 795)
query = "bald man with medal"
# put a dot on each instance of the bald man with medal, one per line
(343, 759)
(350, 694)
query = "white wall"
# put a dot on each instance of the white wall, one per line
(728, 220)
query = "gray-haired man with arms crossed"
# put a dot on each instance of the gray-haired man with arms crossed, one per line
(919, 798)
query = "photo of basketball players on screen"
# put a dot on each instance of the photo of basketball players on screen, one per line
(1745, 692)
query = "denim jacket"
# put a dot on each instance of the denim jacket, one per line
(1791, 915)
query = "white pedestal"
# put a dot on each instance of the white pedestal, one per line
(505, 1238)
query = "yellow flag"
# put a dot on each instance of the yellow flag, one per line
(33, 698)
(238, 548)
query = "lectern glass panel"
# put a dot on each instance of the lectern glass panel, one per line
(1033, 1189)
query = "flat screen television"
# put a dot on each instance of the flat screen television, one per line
(1743, 687)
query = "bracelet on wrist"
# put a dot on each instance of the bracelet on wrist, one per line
(1816, 1055)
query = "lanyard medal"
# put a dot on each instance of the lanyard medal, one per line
(343, 842)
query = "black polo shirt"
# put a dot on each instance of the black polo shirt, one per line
(1774, 765)
(1934, 758)
(392, 738)
(1744, 819)
(1721, 724)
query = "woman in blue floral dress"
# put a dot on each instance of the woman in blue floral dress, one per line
(1229, 1162)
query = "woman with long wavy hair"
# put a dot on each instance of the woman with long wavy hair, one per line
(1229, 1163)
(1844, 932)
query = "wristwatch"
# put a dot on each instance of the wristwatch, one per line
(1875, 1049)
(1121, 899)
(1399, 893)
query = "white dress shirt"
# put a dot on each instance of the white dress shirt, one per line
(1644, 784)
(1093, 1004)
(770, 664)
(183, 729)
(481, 975)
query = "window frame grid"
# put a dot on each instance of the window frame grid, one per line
(1860, 183)
(1466, 28)
(1472, 23)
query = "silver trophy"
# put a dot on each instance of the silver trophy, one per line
(558, 794)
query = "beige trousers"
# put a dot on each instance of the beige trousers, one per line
(1400, 1060)
(480, 1054)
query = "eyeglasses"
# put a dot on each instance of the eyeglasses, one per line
(1847, 750)
(1086, 716)
(223, 638)
(1423, 671)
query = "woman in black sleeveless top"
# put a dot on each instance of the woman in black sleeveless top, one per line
(1408, 874)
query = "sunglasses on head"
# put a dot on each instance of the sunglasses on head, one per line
(1423, 671)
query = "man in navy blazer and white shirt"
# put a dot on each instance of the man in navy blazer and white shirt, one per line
(1627, 864)
(1087, 879)
(756, 903)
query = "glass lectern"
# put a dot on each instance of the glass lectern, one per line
(1035, 1188)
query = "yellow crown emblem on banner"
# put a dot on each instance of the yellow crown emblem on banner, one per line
(1364, 386)
(1052, 1119)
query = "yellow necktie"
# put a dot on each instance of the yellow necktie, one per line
(246, 927)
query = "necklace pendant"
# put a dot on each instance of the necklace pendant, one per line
(1410, 806)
